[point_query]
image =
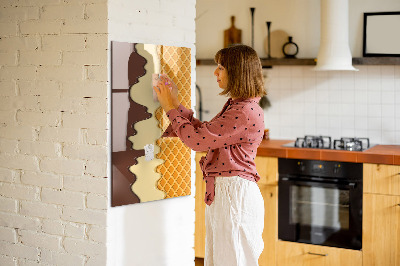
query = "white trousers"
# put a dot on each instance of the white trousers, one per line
(234, 223)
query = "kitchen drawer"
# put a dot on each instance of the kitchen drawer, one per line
(381, 179)
(298, 254)
(267, 168)
(200, 207)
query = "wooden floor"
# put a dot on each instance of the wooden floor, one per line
(199, 262)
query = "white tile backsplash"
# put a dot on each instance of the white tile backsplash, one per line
(388, 110)
(388, 84)
(397, 111)
(374, 97)
(374, 110)
(322, 108)
(361, 110)
(388, 97)
(387, 71)
(347, 110)
(397, 123)
(387, 124)
(364, 103)
(361, 124)
(348, 96)
(397, 95)
(374, 84)
(397, 72)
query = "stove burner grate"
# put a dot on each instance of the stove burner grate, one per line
(324, 142)
(351, 144)
(321, 142)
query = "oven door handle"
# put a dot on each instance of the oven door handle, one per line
(329, 184)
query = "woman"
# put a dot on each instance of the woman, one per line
(235, 207)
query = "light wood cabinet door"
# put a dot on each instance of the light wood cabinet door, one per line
(270, 233)
(381, 179)
(381, 230)
(298, 254)
(200, 207)
(267, 168)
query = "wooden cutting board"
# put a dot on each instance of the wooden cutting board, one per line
(232, 35)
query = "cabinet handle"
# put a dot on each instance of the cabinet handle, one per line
(318, 254)
(398, 204)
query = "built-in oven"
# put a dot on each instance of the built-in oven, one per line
(320, 202)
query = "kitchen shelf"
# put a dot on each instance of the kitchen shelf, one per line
(376, 61)
(312, 61)
(268, 63)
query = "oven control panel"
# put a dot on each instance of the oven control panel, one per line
(330, 169)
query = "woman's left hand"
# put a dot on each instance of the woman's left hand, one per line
(163, 91)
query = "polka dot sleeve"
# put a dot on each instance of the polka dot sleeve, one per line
(229, 128)
(187, 113)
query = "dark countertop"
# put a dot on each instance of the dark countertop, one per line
(379, 154)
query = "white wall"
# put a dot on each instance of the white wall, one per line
(159, 232)
(338, 104)
(299, 18)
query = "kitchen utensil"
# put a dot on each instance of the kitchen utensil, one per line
(252, 9)
(269, 38)
(290, 49)
(232, 35)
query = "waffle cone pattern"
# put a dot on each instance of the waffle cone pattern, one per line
(175, 172)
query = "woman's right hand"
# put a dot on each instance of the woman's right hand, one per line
(174, 89)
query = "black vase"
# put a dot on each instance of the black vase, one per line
(290, 49)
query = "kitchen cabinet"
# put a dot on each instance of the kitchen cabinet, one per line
(200, 207)
(267, 168)
(381, 215)
(270, 233)
(298, 254)
(381, 230)
(381, 179)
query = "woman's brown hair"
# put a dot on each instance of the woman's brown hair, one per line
(245, 78)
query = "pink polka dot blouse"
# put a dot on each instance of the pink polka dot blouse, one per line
(231, 139)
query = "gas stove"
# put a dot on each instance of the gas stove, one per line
(325, 142)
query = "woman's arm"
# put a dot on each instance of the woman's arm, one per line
(225, 130)
(186, 113)
(228, 129)
(167, 94)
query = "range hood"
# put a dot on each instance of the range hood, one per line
(334, 51)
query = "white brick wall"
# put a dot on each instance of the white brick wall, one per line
(8, 234)
(61, 258)
(53, 121)
(75, 230)
(41, 179)
(53, 227)
(53, 127)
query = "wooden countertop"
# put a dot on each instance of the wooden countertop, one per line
(379, 154)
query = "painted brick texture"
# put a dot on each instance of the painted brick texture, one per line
(53, 138)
